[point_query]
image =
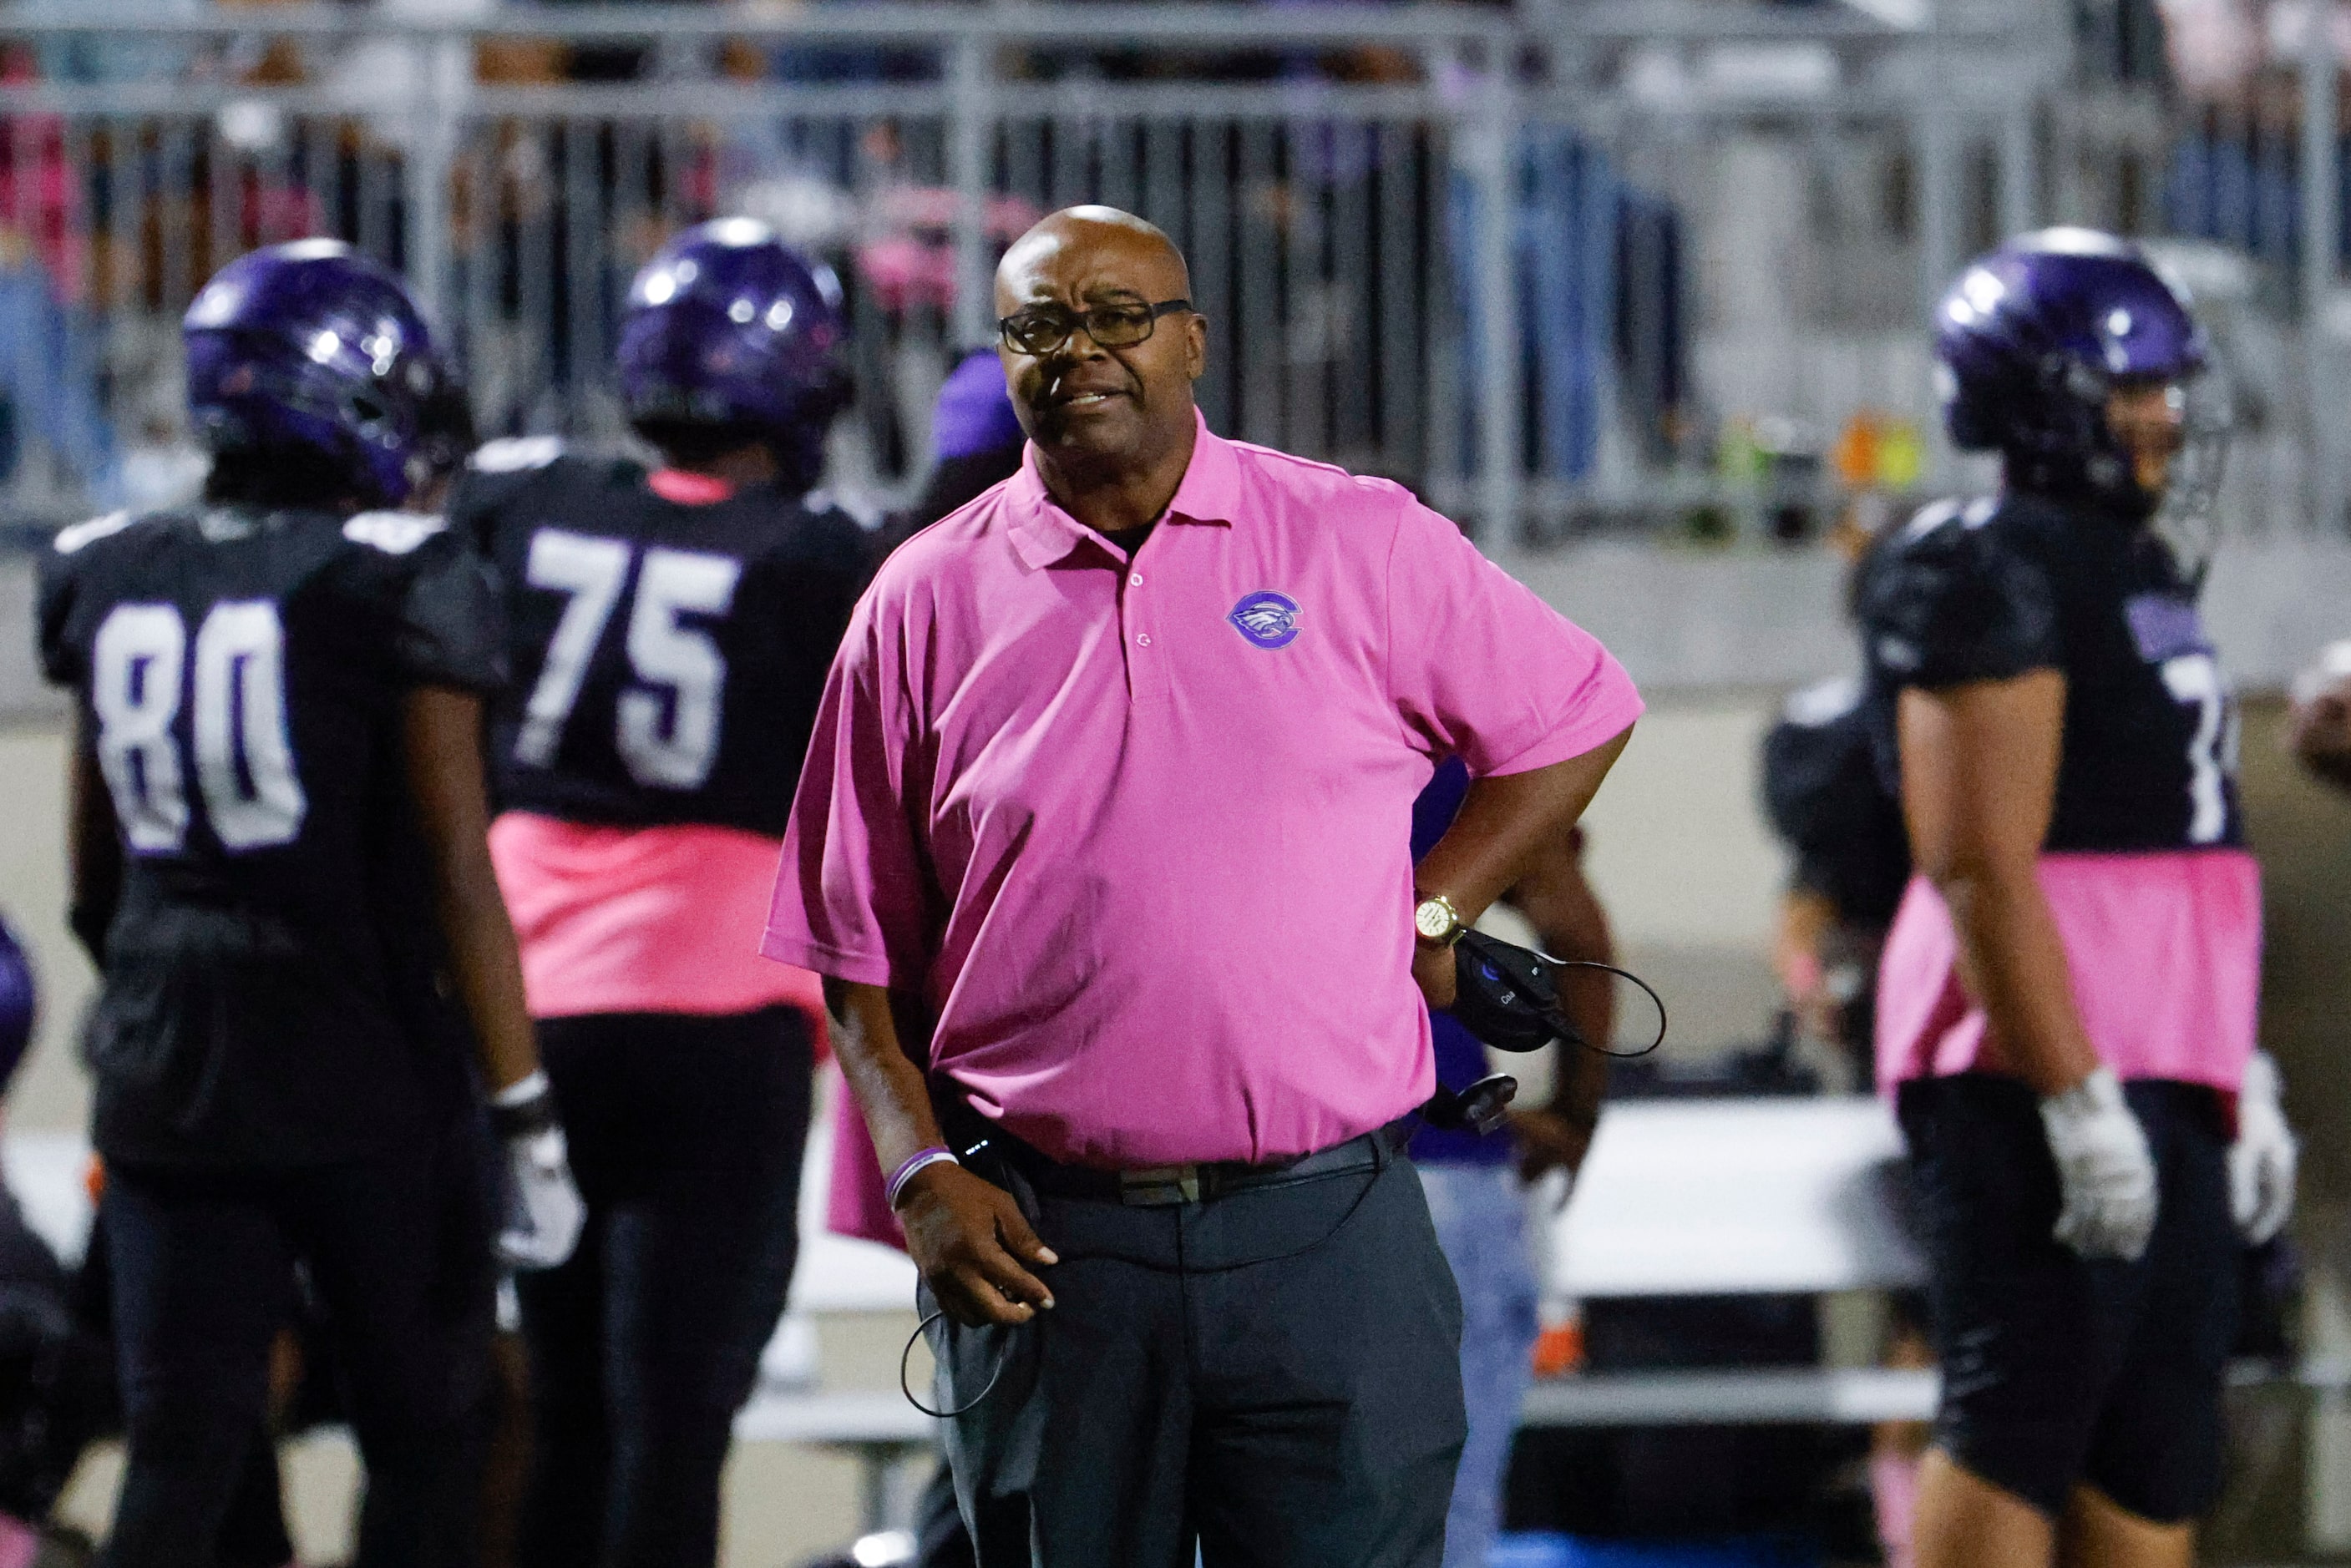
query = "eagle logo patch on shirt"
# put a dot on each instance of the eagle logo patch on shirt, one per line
(1267, 619)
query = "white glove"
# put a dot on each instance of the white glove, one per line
(2262, 1161)
(545, 1213)
(2105, 1172)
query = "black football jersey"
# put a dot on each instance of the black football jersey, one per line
(1828, 800)
(273, 991)
(1989, 590)
(668, 657)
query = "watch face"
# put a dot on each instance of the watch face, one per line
(1435, 920)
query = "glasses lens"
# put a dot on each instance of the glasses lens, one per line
(1111, 326)
(1119, 326)
(1036, 331)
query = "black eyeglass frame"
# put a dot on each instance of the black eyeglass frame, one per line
(1074, 321)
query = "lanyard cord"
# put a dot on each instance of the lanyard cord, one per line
(1573, 1038)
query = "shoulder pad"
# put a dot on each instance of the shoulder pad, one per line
(393, 533)
(73, 538)
(1823, 704)
(1952, 598)
(1939, 518)
(859, 510)
(513, 455)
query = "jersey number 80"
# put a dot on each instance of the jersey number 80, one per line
(244, 760)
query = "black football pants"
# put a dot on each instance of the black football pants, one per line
(397, 1250)
(686, 1135)
(1273, 1376)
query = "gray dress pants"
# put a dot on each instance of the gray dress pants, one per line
(1271, 1376)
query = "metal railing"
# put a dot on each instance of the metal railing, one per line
(1569, 266)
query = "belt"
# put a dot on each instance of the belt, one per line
(1164, 1186)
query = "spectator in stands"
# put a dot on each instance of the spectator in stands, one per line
(1179, 1033)
(2214, 47)
(109, 57)
(48, 347)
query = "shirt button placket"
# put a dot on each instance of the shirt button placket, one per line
(1143, 678)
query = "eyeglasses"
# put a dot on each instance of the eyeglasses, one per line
(1045, 328)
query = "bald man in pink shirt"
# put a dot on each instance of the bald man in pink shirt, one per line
(1102, 848)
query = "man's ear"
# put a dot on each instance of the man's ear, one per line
(1196, 345)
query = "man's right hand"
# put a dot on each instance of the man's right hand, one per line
(970, 1240)
(2105, 1176)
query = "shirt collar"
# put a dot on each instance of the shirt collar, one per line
(1042, 534)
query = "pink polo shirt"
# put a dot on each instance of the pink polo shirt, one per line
(1139, 832)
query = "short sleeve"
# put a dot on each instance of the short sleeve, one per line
(1811, 760)
(472, 507)
(1951, 599)
(1826, 800)
(1482, 669)
(851, 890)
(451, 625)
(64, 660)
(499, 475)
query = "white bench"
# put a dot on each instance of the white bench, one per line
(1682, 1198)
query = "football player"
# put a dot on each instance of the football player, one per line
(2320, 724)
(280, 863)
(2066, 1001)
(670, 633)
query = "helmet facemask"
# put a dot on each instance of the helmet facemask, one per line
(2188, 516)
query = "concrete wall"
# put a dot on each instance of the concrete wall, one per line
(1705, 620)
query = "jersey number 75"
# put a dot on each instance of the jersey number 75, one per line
(666, 720)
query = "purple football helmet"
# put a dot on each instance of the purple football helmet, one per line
(2032, 339)
(729, 329)
(310, 347)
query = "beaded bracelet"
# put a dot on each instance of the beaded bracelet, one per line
(922, 1159)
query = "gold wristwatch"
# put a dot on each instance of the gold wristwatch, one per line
(1436, 922)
